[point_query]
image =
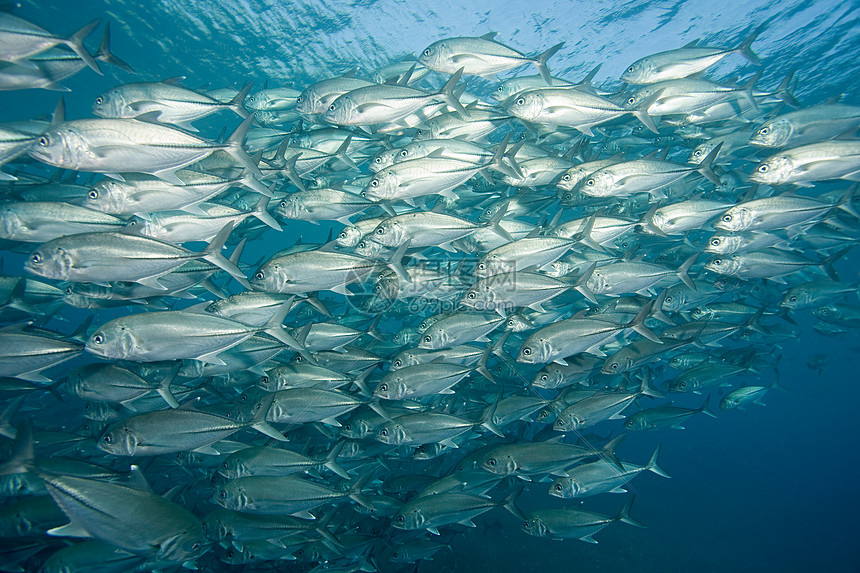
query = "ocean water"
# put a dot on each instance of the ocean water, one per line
(766, 489)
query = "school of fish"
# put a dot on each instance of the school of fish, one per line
(507, 270)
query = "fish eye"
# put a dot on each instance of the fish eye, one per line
(93, 194)
(374, 182)
(378, 160)
(764, 131)
(763, 168)
(558, 487)
(471, 295)
(380, 231)
(299, 99)
(527, 351)
(697, 153)
(36, 258)
(491, 462)
(590, 182)
(383, 432)
(631, 100)
(398, 362)
(630, 69)
(482, 266)
(614, 366)
(568, 197)
(195, 546)
(383, 387)
(715, 242)
(427, 339)
(69, 290)
(566, 177)
(792, 298)
(331, 107)
(259, 275)
(44, 141)
(222, 494)
(521, 101)
(98, 338)
(727, 218)
(100, 100)
(718, 262)
(404, 153)
(108, 439)
(426, 52)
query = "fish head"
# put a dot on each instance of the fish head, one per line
(724, 265)
(701, 313)
(528, 105)
(51, 261)
(308, 102)
(390, 388)
(698, 155)
(639, 72)
(290, 207)
(183, 546)
(147, 227)
(534, 526)
(343, 111)
(355, 429)
(518, 323)
(723, 244)
(616, 364)
(480, 296)
(370, 249)
(437, 56)
(434, 339)
(570, 178)
(112, 103)
(61, 146)
(10, 223)
(232, 496)
(233, 467)
(114, 340)
(215, 526)
(382, 187)
(349, 237)
(636, 423)
(118, 439)
(499, 463)
(728, 403)
(773, 133)
(567, 422)
(392, 433)
(271, 277)
(107, 196)
(597, 283)
(564, 488)
(773, 170)
(408, 518)
(535, 351)
(385, 159)
(675, 299)
(736, 219)
(797, 298)
(599, 184)
(389, 233)
(549, 377)
(678, 386)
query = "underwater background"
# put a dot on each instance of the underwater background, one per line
(765, 489)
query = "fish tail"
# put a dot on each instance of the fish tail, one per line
(641, 111)
(624, 515)
(638, 323)
(212, 254)
(652, 466)
(331, 461)
(684, 270)
(827, 264)
(105, 55)
(745, 49)
(234, 147)
(581, 284)
(541, 61)
(782, 91)
(510, 503)
(341, 152)
(237, 103)
(76, 43)
(22, 459)
(705, 409)
(705, 168)
(164, 388)
(261, 212)
(447, 92)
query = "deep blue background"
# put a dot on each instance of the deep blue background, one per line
(767, 489)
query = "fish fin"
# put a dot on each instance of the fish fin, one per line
(76, 43)
(212, 254)
(588, 539)
(433, 530)
(541, 61)
(268, 430)
(71, 529)
(233, 146)
(207, 450)
(745, 49)
(652, 466)
(618, 489)
(624, 515)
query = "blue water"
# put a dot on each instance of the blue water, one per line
(766, 489)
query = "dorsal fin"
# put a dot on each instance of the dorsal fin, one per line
(489, 36)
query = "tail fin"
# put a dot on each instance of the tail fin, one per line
(261, 213)
(641, 111)
(705, 409)
(237, 103)
(705, 166)
(652, 466)
(105, 55)
(745, 49)
(624, 515)
(541, 60)
(76, 43)
(684, 269)
(510, 503)
(212, 254)
(234, 147)
(638, 323)
(447, 92)
(331, 461)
